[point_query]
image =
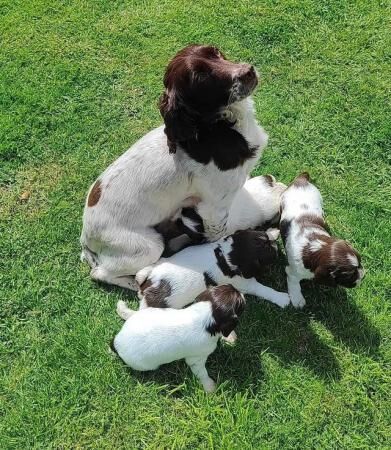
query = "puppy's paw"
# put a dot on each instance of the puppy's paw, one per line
(209, 385)
(283, 300)
(298, 301)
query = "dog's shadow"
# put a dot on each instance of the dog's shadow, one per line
(292, 337)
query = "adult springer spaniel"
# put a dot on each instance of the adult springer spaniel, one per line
(201, 157)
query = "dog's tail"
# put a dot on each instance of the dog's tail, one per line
(123, 311)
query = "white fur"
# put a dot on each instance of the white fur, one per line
(147, 185)
(297, 201)
(292, 200)
(255, 204)
(155, 336)
(184, 271)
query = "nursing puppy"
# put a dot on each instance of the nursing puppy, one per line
(312, 253)
(155, 336)
(238, 259)
(255, 205)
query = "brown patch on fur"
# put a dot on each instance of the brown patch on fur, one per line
(95, 193)
(302, 180)
(251, 252)
(311, 221)
(330, 264)
(227, 305)
(155, 296)
(168, 230)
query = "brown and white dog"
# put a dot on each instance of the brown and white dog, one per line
(239, 259)
(155, 336)
(312, 253)
(202, 155)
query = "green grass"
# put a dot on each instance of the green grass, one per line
(79, 83)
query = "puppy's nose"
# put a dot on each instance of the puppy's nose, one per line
(247, 73)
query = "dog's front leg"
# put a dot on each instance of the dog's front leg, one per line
(252, 287)
(294, 288)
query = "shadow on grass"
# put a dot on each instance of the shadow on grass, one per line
(287, 334)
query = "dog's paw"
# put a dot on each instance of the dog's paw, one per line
(283, 300)
(298, 301)
(209, 385)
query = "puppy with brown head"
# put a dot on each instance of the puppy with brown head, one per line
(239, 259)
(155, 336)
(312, 253)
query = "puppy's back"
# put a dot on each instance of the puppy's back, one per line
(301, 197)
(155, 336)
(255, 204)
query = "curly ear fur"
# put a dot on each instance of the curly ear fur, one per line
(179, 125)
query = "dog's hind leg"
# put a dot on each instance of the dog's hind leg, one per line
(197, 366)
(125, 281)
(126, 255)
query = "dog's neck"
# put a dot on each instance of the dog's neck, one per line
(238, 112)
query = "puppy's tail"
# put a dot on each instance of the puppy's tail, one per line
(123, 311)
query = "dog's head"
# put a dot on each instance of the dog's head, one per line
(198, 82)
(227, 305)
(336, 263)
(253, 250)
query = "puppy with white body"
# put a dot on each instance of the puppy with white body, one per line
(256, 204)
(154, 336)
(238, 259)
(312, 253)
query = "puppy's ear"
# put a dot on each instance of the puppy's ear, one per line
(273, 233)
(324, 275)
(179, 125)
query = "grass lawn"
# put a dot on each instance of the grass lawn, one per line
(79, 83)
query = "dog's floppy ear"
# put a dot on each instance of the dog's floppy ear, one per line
(179, 125)
(324, 275)
(227, 305)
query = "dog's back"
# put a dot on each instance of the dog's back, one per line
(155, 336)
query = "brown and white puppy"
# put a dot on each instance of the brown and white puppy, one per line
(312, 253)
(256, 205)
(238, 259)
(203, 154)
(155, 336)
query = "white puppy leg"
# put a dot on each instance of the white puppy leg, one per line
(294, 289)
(252, 287)
(197, 366)
(178, 243)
